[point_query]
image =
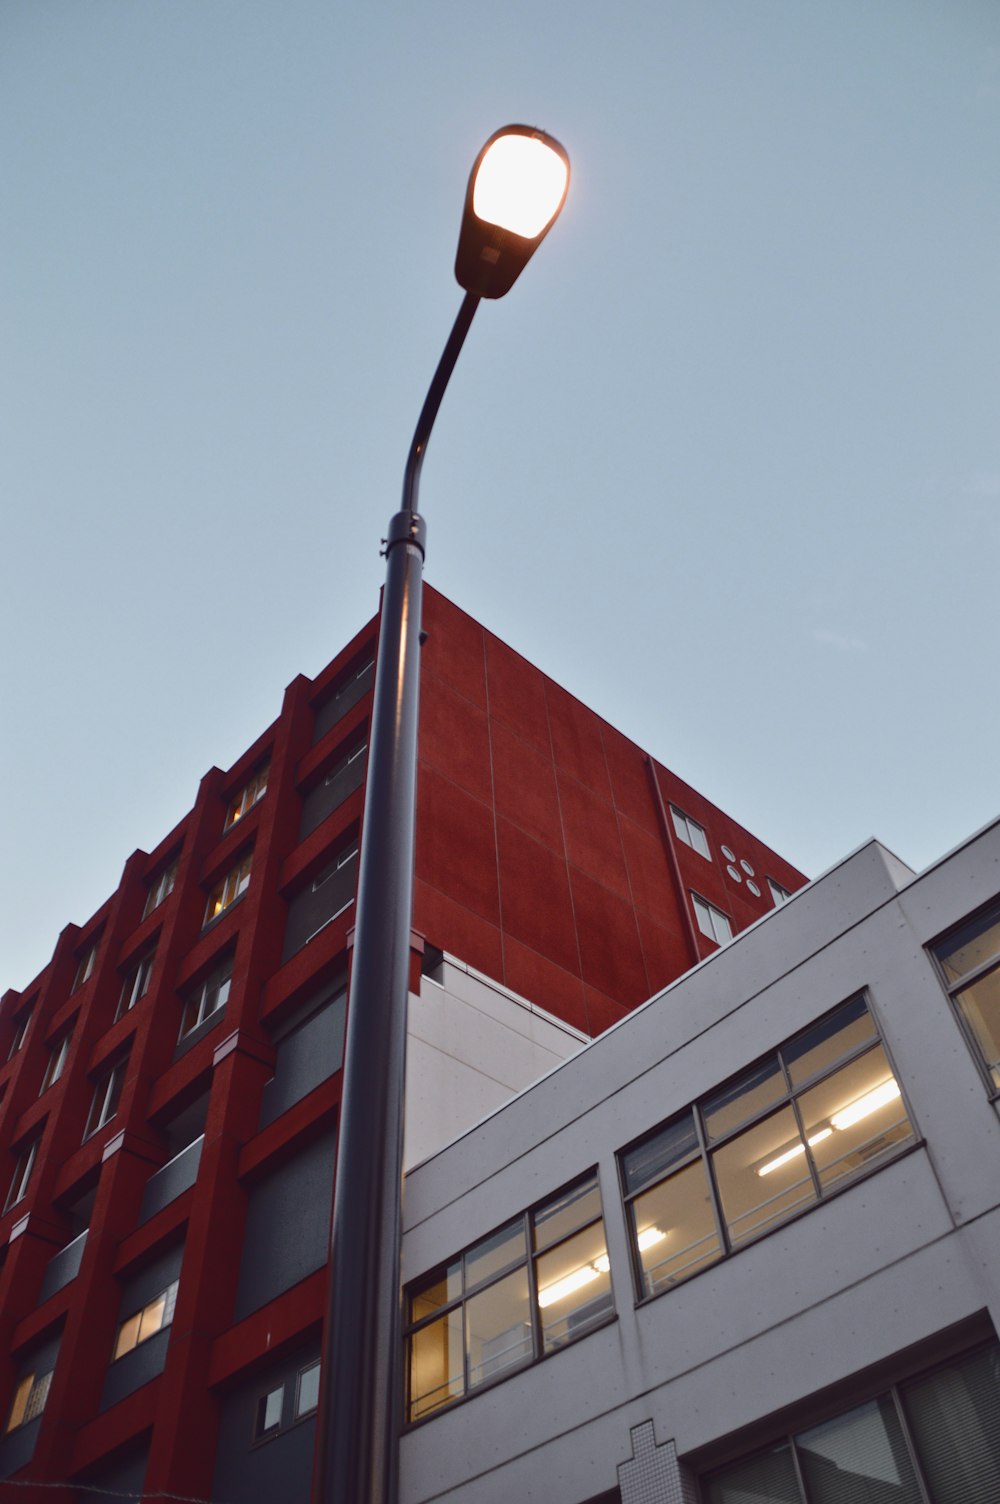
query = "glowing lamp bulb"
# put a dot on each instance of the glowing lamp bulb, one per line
(520, 185)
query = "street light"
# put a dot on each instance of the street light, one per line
(516, 190)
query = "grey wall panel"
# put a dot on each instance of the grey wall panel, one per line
(169, 1182)
(288, 1225)
(343, 779)
(62, 1267)
(135, 1369)
(125, 1475)
(275, 1468)
(17, 1448)
(350, 692)
(306, 1056)
(150, 1280)
(318, 902)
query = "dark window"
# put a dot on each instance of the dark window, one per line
(85, 967)
(22, 1174)
(355, 683)
(933, 1437)
(531, 1287)
(822, 1110)
(160, 888)
(104, 1104)
(345, 775)
(20, 1030)
(135, 985)
(56, 1062)
(329, 893)
(208, 998)
(970, 964)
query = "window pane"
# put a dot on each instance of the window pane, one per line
(972, 946)
(498, 1328)
(20, 1402)
(36, 1400)
(440, 1290)
(269, 1411)
(308, 1396)
(743, 1098)
(980, 1005)
(763, 1176)
(855, 1118)
(436, 1364)
(495, 1253)
(574, 1287)
(578, 1206)
(859, 1458)
(829, 1041)
(954, 1416)
(151, 1318)
(652, 1159)
(128, 1334)
(763, 1480)
(674, 1228)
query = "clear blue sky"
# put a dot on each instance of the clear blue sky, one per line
(726, 462)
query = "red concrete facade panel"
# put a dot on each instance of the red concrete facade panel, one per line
(543, 982)
(535, 897)
(455, 738)
(593, 840)
(516, 693)
(664, 951)
(602, 1011)
(609, 942)
(649, 873)
(629, 779)
(524, 784)
(577, 744)
(456, 848)
(453, 927)
(455, 648)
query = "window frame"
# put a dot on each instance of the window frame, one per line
(135, 984)
(528, 1261)
(56, 1062)
(298, 1413)
(987, 915)
(713, 910)
(169, 1297)
(21, 1177)
(161, 887)
(107, 1088)
(239, 876)
(775, 888)
(220, 977)
(707, 1147)
(20, 1032)
(684, 825)
(262, 1433)
(86, 961)
(36, 1383)
(249, 795)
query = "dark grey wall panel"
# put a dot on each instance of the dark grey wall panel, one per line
(17, 1447)
(343, 778)
(124, 1476)
(288, 1225)
(350, 692)
(171, 1180)
(278, 1468)
(62, 1267)
(306, 1056)
(318, 902)
(150, 1280)
(136, 1368)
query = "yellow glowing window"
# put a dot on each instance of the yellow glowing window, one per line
(152, 1318)
(232, 887)
(248, 796)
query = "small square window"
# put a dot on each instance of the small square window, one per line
(779, 894)
(307, 1390)
(269, 1407)
(712, 922)
(690, 832)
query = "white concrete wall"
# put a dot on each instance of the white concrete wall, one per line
(893, 1260)
(471, 1046)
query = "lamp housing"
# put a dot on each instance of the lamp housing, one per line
(516, 189)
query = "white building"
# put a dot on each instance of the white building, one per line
(744, 1247)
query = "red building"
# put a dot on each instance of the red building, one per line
(169, 1098)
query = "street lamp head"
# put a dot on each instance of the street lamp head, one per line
(516, 189)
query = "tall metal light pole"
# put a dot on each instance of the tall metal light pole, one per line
(516, 190)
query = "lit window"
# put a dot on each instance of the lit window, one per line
(135, 985)
(712, 922)
(690, 832)
(933, 1437)
(822, 1110)
(232, 887)
(528, 1289)
(152, 1318)
(84, 968)
(268, 1417)
(307, 1390)
(105, 1100)
(55, 1063)
(20, 1030)
(160, 888)
(779, 894)
(207, 999)
(29, 1399)
(248, 796)
(970, 964)
(22, 1174)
